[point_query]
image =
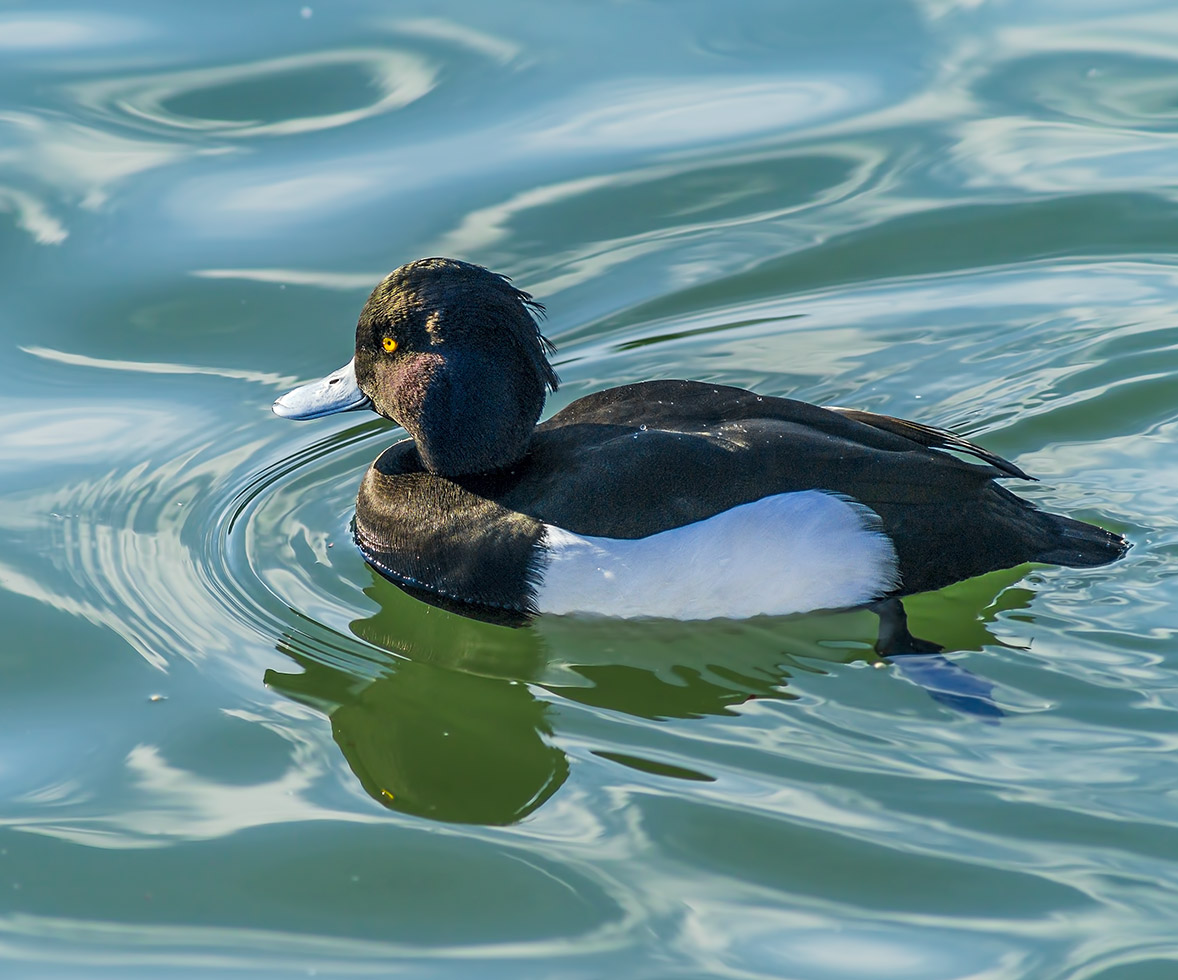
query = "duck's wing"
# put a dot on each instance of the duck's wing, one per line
(693, 402)
(932, 438)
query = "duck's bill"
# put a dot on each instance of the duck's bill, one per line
(338, 392)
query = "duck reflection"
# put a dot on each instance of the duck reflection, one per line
(434, 742)
(456, 726)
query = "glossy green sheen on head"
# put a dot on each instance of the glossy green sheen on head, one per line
(468, 372)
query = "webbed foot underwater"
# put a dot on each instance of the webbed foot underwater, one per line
(673, 499)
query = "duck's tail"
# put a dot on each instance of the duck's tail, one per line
(1079, 545)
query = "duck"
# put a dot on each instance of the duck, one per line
(666, 498)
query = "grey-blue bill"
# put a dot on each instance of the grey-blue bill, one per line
(338, 392)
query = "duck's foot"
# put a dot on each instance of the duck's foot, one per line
(894, 638)
(921, 662)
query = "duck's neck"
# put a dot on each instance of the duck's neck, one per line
(468, 423)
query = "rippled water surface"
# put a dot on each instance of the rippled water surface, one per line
(230, 749)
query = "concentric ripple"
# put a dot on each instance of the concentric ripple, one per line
(271, 97)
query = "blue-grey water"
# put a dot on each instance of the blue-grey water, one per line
(229, 749)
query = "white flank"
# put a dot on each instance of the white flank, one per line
(788, 553)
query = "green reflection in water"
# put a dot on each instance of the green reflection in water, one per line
(437, 743)
(449, 727)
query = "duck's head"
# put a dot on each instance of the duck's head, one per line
(450, 351)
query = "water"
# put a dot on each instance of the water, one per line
(229, 748)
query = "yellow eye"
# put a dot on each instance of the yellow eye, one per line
(389, 344)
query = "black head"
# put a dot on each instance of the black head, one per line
(452, 352)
